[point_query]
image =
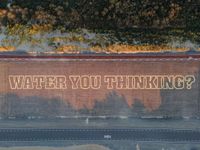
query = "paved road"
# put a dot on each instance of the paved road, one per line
(99, 134)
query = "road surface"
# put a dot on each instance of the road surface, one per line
(168, 135)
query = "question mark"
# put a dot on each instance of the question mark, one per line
(190, 79)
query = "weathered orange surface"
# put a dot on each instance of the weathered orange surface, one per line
(120, 48)
(86, 98)
(7, 48)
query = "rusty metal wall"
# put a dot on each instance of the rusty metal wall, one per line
(99, 101)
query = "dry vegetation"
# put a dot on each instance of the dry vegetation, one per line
(102, 13)
(99, 25)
